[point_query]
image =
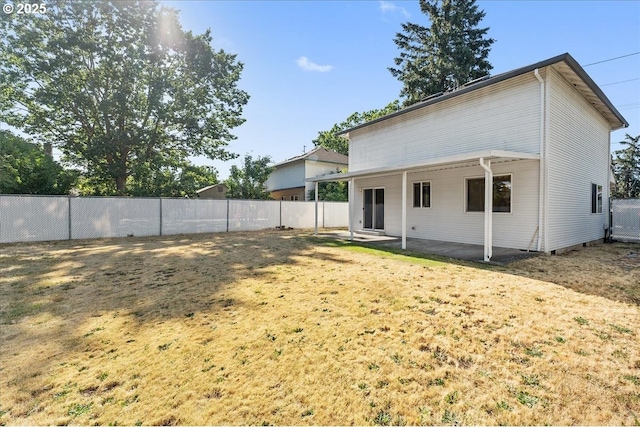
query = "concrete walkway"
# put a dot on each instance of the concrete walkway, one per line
(463, 251)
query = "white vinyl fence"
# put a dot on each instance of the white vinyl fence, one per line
(40, 218)
(625, 225)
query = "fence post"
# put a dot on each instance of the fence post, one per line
(69, 214)
(280, 219)
(323, 212)
(227, 215)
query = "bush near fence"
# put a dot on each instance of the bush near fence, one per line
(40, 218)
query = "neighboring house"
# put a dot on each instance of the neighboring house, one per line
(540, 133)
(217, 191)
(287, 181)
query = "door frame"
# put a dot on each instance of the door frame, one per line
(373, 211)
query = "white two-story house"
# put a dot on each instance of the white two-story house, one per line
(540, 135)
(288, 179)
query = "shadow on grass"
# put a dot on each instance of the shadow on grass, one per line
(54, 292)
(610, 271)
(155, 277)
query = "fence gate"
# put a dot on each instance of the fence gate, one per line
(626, 220)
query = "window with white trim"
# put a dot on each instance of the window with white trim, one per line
(596, 198)
(501, 194)
(422, 194)
(294, 198)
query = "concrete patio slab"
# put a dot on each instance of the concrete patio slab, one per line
(462, 251)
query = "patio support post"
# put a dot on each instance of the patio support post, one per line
(351, 203)
(404, 210)
(316, 204)
(488, 209)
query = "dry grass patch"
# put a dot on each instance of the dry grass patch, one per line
(281, 328)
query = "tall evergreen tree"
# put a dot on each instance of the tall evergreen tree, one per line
(449, 53)
(626, 168)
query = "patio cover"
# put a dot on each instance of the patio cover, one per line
(483, 158)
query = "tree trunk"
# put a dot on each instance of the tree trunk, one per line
(121, 185)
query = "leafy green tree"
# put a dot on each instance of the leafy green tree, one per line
(26, 169)
(449, 53)
(331, 192)
(329, 140)
(181, 181)
(248, 181)
(119, 87)
(626, 168)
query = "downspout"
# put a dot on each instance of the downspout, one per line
(404, 210)
(542, 159)
(609, 228)
(488, 209)
(351, 207)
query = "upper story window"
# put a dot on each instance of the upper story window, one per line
(422, 194)
(596, 198)
(501, 194)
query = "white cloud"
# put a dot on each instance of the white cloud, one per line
(387, 6)
(304, 63)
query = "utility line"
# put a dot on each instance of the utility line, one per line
(623, 81)
(611, 59)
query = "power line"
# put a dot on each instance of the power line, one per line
(611, 59)
(622, 81)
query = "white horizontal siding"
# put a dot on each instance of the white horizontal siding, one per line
(503, 116)
(447, 220)
(392, 201)
(578, 155)
(287, 176)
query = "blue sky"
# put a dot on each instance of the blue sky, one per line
(310, 64)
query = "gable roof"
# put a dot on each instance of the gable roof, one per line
(210, 187)
(565, 64)
(319, 154)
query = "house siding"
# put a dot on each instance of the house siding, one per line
(503, 116)
(286, 176)
(577, 156)
(392, 202)
(446, 219)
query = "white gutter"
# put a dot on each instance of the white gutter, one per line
(488, 209)
(541, 173)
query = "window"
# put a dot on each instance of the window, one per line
(294, 198)
(421, 194)
(283, 198)
(501, 194)
(596, 198)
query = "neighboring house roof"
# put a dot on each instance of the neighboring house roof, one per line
(210, 187)
(565, 64)
(319, 154)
